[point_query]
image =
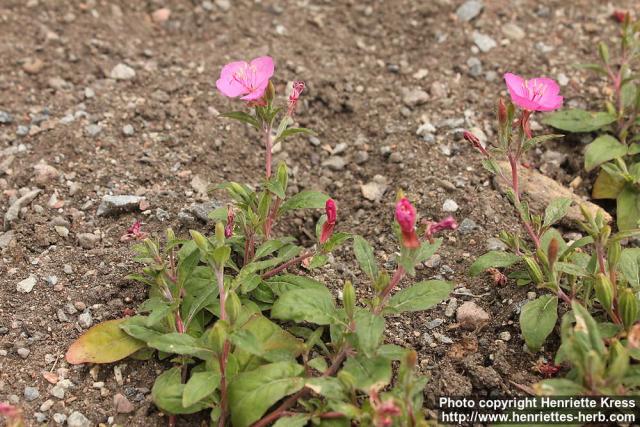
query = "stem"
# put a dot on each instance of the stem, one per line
(225, 351)
(516, 191)
(397, 277)
(287, 264)
(268, 143)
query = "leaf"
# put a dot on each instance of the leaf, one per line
(317, 261)
(287, 282)
(329, 387)
(306, 199)
(628, 209)
(298, 420)
(493, 259)
(270, 246)
(392, 351)
(630, 265)
(367, 371)
(309, 305)
(427, 250)
(492, 166)
(537, 320)
(167, 393)
(252, 393)
(103, 343)
(556, 210)
(199, 386)
(364, 255)
(136, 326)
(421, 296)
(532, 142)
(628, 92)
(369, 330)
(577, 120)
(601, 150)
(242, 117)
(607, 186)
(275, 187)
(185, 344)
(293, 131)
(571, 269)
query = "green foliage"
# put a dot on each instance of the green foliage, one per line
(578, 121)
(537, 320)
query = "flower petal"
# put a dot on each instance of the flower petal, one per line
(515, 84)
(257, 92)
(264, 67)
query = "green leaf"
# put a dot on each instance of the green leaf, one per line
(369, 330)
(492, 166)
(427, 250)
(329, 387)
(167, 393)
(571, 269)
(601, 150)
(630, 265)
(419, 297)
(364, 255)
(367, 371)
(313, 305)
(298, 420)
(185, 344)
(628, 209)
(199, 386)
(106, 342)
(287, 282)
(607, 186)
(318, 363)
(392, 351)
(335, 240)
(305, 200)
(556, 210)
(532, 142)
(242, 117)
(252, 393)
(317, 261)
(537, 320)
(493, 259)
(275, 187)
(629, 92)
(270, 246)
(275, 341)
(293, 131)
(577, 120)
(136, 326)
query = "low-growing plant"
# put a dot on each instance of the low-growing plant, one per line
(616, 149)
(12, 415)
(593, 274)
(254, 344)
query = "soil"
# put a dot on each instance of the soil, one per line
(358, 58)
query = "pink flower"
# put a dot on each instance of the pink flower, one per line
(228, 229)
(449, 223)
(406, 218)
(134, 232)
(539, 94)
(296, 90)
(247, 79)
(329, 224)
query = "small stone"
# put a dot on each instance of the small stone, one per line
(93, 130)
(451, 307)
(467, 226)
(26, 285)
(484, 42)
(335, 163)
(360, 157)
(471, 316)
(395, 157)
(122, 72)
(67, 269)
(469, 10)
(432, 324)
(434, 261)
(122, 404)
(58, 83)
(89, 93)
(531, 295)
(46, 405)
(31, 393)
(23, 352)
(51, 280)
(22, 130)
(62, 317)
(57, 391)
(62, 231)
(161, 15)
(77, 419)
(450, 205)
(438, 90)
(40, 417)
(33, 66)
(375, 189)
(128, 130)
(6, 239)
(414, 97)
(85, 320)
(513, 31)
(505, 336)
(563, 80)
(59, 418)
(495, 244)
(88, 240)
(5, 118)
(13, 212)
(475, 66)
(112, 205)
(442, 338)
(223, 5)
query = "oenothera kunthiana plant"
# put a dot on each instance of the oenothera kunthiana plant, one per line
(250, 341)
(616, 149)
(594, 276)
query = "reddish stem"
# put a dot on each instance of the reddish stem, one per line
(225, 351)
(397, 277)
(287, 264)
(513, 161)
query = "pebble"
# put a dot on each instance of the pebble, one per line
(112, 205)
(45, 173)
(531, 295)
(467, 226)
(563, 80)
(432, 324)
(88, 240)
(93, 130)
(46, 405)
(469, 10)
(5, 118)
(51, 280)
(475, 66)
(471, 316)
(67, 269)
(335, 163)
(5, 239)
(23, 352)
(31, 393)
(128, 130)
(495, 244)
(442, 338)
(13, 212)
(375, 189)
(122, 404)
(161, 15)
(59, 418)
(434, 261)
(26, 285)
(40, 417)
(223, 5)
(396, 157)
(33, 66)
(451, 307)
(22, 130)
(85, 320)
(360, 157)
(414, 97)
(505, 336)
(77, 419)
(450, 205)
(122, 72)
(484, 42)
(57, 391)
(61, 230)
(513, 31)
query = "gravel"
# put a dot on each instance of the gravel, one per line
(122, 72)
(31, 393)
(25, 286)
(112, 205)
(469, 10)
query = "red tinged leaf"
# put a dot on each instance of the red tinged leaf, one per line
(103, 343)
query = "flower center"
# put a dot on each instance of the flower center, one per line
(246, 76)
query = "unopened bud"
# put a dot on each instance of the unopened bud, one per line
(553, 251)
(618, 362)
(232, 306)
(349, 298)
(220, 233)
(628, 307)
(534, 270)
(604, 291)
(614, 253)
(502, 112)
(200, 240)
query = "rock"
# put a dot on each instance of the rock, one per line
(471, 316)
(46, 405)
(93, 130)
(23, 352)
(61, 230)
(58, 83)
(484, 42)
(22, 130)
(432, 324)
(88, 240)
(45, 173)
(31, 393)
(442, 338)
(27, 284)
(360, 157)
(563, 80)
(59, 418)
(438, 90)
(335, 163)
(540, 190)
(85, 320)
(40, 417)
(396, 157)
(434, 261)
(513, 31)
(469, 10)
(5, 118)
(161, 15)
(201, 210)
(475, 66)
(33, 66)
(495, 244)
(122, 404)
(14, 210)
(6, 239)
(505, 336)
(128, 130)
(57, 391)
(467, 226)
(112, 205)
(450, 205)
(451, 307)
(414, 97)
(122, 72)
(223, 5)
(375, 189)
(200, 185)
(77, 419)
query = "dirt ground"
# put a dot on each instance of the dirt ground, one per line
(77, 134)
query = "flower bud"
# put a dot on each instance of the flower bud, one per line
(502, 112)
(270, 92)
(534, 270)
(553, 251)
(613, 254)
(329, 224)
(628, 307)
(296, 89)
(232, 306)
(618, 362)
(349, 298)
(217, 335)
(604, 291)
(228, 228)
(171, 236)
(220, 233)
(200, 240)
(406, 218)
